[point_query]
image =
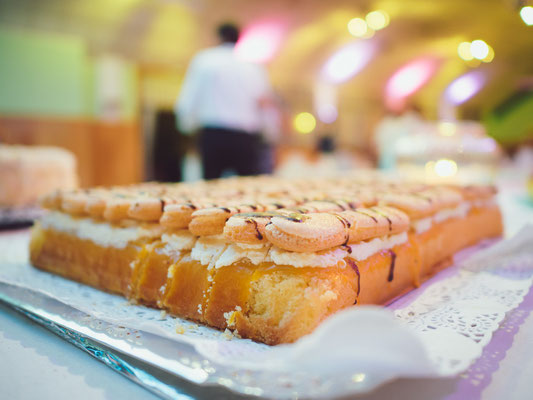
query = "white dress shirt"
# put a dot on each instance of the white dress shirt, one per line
(220, 90)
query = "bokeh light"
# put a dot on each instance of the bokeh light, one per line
(445, 168)
(304, 123)
(465, 87)
(464, 51)
(475, 51)
(408, 79)
(357, 27)
(447, 128)
(348, 61)
(260, 42)
(526, 13)
(479, 49)
(377, 19)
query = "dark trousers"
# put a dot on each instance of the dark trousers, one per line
(226, 149)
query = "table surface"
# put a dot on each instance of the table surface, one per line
(35, 363)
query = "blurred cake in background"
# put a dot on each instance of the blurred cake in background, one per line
(28, 172)
(449, 152)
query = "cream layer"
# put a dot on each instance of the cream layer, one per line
(101, 232)
(461, 211)
(214, 252)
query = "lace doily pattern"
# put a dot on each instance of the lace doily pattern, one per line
(440, 333)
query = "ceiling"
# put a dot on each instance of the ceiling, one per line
(165, 34)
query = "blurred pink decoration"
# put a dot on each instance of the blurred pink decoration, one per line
(408, 79)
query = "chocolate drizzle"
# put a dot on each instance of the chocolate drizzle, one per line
(225, 209)
(368, 215)
(346, 225)
(427, 198)
(385, 216)
(163, 203)
(294, 217)
(191, 206)
(336, 202)
(392, 263)
(344, 221)
(356, 269)
(258, 234)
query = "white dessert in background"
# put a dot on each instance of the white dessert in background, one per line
(28, 172)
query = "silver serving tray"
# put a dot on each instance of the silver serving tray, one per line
(139, 356)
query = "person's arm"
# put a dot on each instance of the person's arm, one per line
(187, 101)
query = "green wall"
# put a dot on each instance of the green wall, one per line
(42, 74)
(51, 75)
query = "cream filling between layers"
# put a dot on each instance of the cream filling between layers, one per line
(322, 259)
(207, 249)
(179, 240)
(100, 232)
(214, 252)
(238, 251)
(361, 251)
(461, 211)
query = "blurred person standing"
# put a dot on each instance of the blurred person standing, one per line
(224, 99)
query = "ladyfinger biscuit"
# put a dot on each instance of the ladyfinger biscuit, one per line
(249, 228)
(476, 192)
(178, 216)
(52, 200)
(74, 202)
(210, 221)
(149, 208)
(416, 206)
(315, 232)
(95, 206)
(117, 208)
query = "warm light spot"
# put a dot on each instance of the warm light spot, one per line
(464, 51)
(347, 61)
(445, 168)
(447, 128)
(526, 13)
(357, 27)
(377, 19)
(475, 52)
(304, 123)
(408, 79)
(464, 87)
(479, 49)
(260, 42)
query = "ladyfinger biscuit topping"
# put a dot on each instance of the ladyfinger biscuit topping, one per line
(315, 232)
(307, 215)
(306, 233)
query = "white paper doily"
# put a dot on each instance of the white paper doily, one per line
(440, 333)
